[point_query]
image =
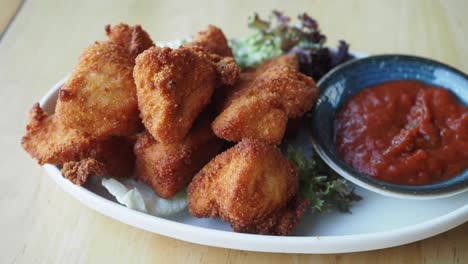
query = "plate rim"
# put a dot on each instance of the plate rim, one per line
(253, 242)
(261, 243)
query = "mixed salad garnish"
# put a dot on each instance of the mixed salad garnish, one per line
(277, 35)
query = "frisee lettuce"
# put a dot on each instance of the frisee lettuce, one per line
(321, 185)
(277, 36)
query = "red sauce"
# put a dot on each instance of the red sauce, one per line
(404, 132)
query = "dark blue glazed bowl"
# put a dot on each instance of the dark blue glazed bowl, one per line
(348, 79)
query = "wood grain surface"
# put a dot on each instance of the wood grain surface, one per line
(40, 223)
(8, 9)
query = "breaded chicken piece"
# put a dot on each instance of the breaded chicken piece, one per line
(281, 222)
(134, 39)
(78, 172)
(117, 155)
(289, 60)
(173, 87)
(252, 186)
(100, 98)
(254, 116)
(168, 168)
(225, 95)
(246, 79)
(211, 41)
(260, 104)
(213, 45)
(112, 156)
(50, 141)
(226, 69)
(296, 92)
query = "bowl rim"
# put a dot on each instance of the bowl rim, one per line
(442, 189)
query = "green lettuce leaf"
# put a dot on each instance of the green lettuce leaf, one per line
(321, 185)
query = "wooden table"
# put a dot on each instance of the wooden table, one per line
(41, 223)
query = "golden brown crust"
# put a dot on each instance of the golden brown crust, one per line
(259, 106)
(116, 153)
(78, 172)
(49, 141)
(134, 39)
(223, 95)
(173, 87)
(212, 44)
(248, 186)
(281, 222)
(100, 98)
(252, 117)
(289, 60)
(227, 70)
(212, 41)
(168, 168)
(295, 91)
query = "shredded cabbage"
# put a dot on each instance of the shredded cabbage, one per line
(139, 196)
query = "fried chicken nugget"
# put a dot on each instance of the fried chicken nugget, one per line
(255, 116)
(112, 156)
(225, 95)
(212, 44)
(289, 60)
(78, 172)
(168, 168)
(260, 104)
(50, 141)
(252, 186)
(100, 96)
(226, 68)
(211, 41)
(134, 39)
(173, 87)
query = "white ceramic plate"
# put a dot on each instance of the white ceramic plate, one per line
(376, 221)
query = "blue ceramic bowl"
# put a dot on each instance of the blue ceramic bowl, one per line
(348, 79)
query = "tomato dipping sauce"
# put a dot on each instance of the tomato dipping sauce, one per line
(404, 132)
